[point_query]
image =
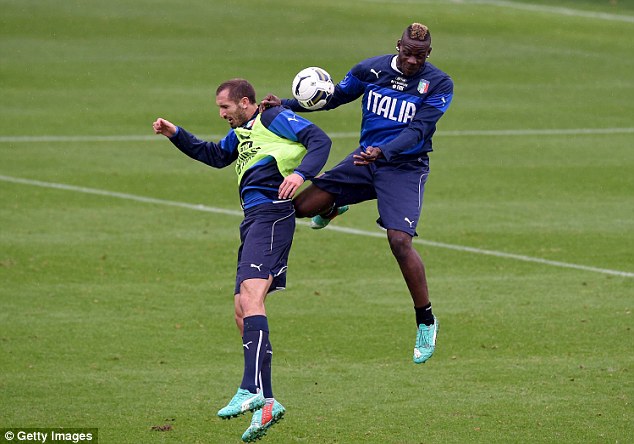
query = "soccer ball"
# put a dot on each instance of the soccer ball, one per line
(313, 88)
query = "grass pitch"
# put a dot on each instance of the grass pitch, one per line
(117, 253)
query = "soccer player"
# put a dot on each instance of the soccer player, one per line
(404, 96)
(274, 151)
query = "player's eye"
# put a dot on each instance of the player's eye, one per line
(415, 55)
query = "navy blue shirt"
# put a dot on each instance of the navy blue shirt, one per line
(399, 113)
(261, 182)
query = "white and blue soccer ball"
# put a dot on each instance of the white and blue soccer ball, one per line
(313, 87)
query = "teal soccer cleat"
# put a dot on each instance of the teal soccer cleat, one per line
(425, 342)
(318, 222)
(263, 419)
(242, 402)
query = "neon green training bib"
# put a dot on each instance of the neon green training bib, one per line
(259, 142)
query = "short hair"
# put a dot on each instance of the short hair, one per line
(238, 88)
(418, 31)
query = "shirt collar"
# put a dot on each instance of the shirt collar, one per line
(394, 65)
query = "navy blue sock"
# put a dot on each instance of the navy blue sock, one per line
(424, 315)
(266, 383)
(255, 336)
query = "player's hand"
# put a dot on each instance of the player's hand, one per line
(368, 156)
(269, 101)
(289, 187)
(165, 127)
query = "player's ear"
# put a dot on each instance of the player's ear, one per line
(398, 45)
(428, 52)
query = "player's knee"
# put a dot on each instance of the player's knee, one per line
(252, 295)
(301, 209)
(400, 243)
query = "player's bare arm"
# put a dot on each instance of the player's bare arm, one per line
(368, 156)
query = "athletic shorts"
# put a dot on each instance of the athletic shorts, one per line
(397, 187)
(266, 234)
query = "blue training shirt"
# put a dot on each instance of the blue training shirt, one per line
(399, 114)
(260, 183)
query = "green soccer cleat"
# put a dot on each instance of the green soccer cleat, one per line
(425, 342)
(242, 402)
(318, 222)
(263, 419)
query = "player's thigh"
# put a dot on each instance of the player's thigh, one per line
(266, 244)
(348, 182)
(400, 189)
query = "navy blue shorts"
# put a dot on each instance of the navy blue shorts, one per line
(266, 235)
(397, 187)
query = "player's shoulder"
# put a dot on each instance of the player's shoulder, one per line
(372, 65)
(270, 114)
(433, 72)
(279, 116)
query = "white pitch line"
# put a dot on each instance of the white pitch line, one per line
(151, 200)
(500, 254)
(554, 10)
(335, 135)
(537, 132)
(38, 139)
(208, 209)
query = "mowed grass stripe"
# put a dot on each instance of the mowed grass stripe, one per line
(208, 209)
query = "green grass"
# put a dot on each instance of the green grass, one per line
(117, 313)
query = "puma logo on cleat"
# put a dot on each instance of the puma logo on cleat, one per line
(411, 224)
(259, 267)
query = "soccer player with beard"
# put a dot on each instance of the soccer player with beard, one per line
(274, 151)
